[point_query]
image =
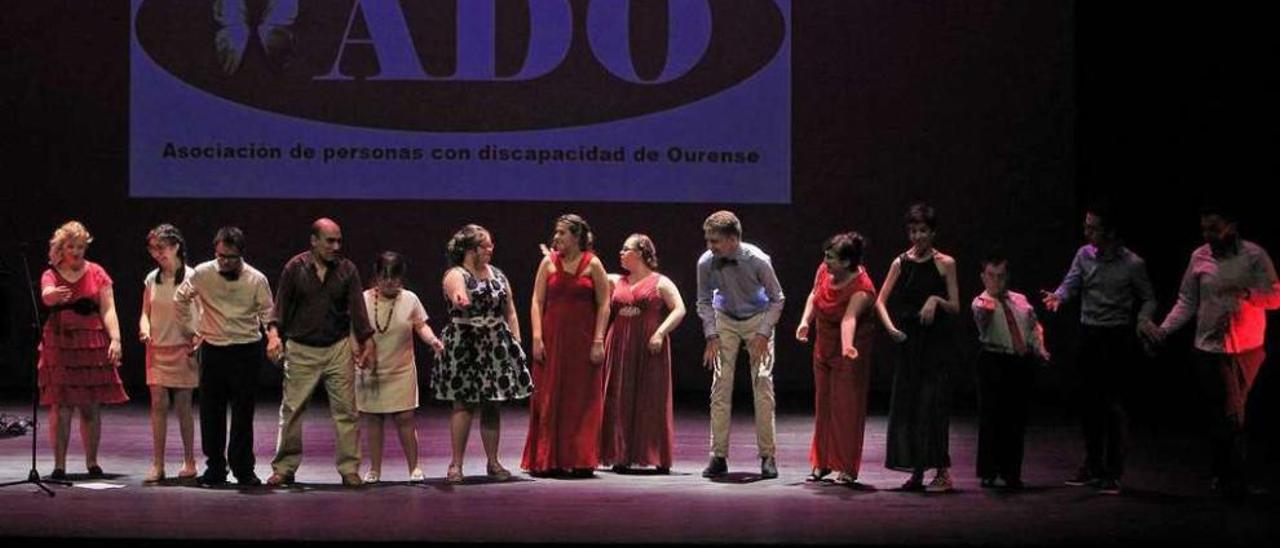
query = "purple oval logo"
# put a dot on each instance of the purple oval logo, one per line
(462, 65)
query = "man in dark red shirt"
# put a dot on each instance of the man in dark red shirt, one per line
(319, 308)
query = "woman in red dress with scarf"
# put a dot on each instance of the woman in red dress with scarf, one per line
(839, 309)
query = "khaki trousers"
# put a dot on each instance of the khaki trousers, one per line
(305, 368)
(733, 335)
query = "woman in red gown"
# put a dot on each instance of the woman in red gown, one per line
(569, 314)
(839, 309)
(79, 346)
(646, 307)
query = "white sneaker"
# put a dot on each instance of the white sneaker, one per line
(372, 476)
(416, 476)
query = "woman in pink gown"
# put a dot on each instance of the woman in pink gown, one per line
(569, 314)
(646, 306)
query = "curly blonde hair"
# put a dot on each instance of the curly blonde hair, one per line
(70, 230)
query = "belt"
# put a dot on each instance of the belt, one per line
(739, 318)
(629, 311)
(1003, 351)
(480, 321)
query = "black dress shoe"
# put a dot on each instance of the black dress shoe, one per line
(582, 473)
(621, 469)
(96, 472)
(250, 480)
(58, 474)
(208, 479)
(663, 469)
(768, 468)
(716, 468)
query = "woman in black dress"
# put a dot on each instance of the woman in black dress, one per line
(917, 305)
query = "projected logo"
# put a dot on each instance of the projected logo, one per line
(610, 96)
(470, 65)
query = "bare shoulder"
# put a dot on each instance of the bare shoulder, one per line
(946, 263)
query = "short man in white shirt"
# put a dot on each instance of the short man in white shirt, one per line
(235, 303)
(1012, 343)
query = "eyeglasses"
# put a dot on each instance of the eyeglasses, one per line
(227, 257)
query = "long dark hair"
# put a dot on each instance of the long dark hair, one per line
(580, 230)
(170, 235)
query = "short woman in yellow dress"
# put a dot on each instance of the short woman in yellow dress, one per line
(390, 389)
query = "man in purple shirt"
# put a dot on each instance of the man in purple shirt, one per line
(319, 307)
(1116, 302)
(739, 302)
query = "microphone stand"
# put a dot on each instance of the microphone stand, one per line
(33, 477)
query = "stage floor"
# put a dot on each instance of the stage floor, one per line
(1166, 500)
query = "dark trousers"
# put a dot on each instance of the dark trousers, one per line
(1225, 380)
(228, 374)
(1106, 366)
(1004, 387)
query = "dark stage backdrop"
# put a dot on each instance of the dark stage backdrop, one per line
(1006, 115)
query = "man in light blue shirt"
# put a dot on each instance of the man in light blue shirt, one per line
(739, 301)
(1116, 303)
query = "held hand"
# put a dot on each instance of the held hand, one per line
(539, 353)
(196, 341)
(144, 338)
(986, 303)
(597, 352)
(113, 352)
(802, 332)
(1150, 332)
(275, 349)
(437, 345)
(369, 357)
(1051, 301)
(711, 354)
(656, 342)
(927, 311)
(849, 352)
(897, 335)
